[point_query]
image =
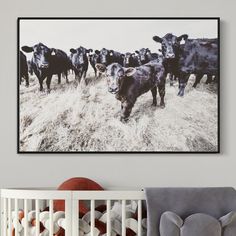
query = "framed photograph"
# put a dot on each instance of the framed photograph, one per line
(117, 85)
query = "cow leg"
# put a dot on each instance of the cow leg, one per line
(76, 76)
(126, 110)
(66, 75)
(48, 82)
(80, 76)
(171, 79)
(59, 78)
(41, 83)
(95, 72)
(85, 73)
(67, 81)
(162, 92)
(183, 79)
(197, 80)
(154, 96)
(27, 80)
(209, 79)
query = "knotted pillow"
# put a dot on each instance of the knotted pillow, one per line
(197, 225)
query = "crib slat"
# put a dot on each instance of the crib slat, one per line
(123, 218)
(50, 217)
(92, 223)
(9, 217)
(108, 217)
(5, 217)
(37, 226)
(68, 209)
(75, 218)
(16, 217)
(139, 217)
(26, 217)
(30, 205)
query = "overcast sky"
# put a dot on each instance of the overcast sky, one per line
(120, 35)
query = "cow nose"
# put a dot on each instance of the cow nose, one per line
(113, 90)
(170, 55)
(44, 65)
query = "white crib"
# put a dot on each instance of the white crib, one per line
(38, 199)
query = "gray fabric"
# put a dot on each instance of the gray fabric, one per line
(197, 225)
(228, 223)
(215, 202)
(170, 224)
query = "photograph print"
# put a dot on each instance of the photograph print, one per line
(118, 85)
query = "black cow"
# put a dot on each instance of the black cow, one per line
(24, 69)
(108, 57)
(79, 60)
(94, 59)
(195, 56)
(145, 55)
(170, 45)
(131, 60)
(129, 83)
(46, 62)
(209, 76)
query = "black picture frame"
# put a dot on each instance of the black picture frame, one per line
(218, 151)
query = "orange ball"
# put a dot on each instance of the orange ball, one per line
(77, 183)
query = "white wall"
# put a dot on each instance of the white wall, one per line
(117, 170)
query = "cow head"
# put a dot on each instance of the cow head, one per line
(143, 55)
(79, 56)
(41, 55)
(115, 75)
(128, 58)
(170, 44)
(105, 55)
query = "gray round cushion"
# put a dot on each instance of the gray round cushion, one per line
(197, 224)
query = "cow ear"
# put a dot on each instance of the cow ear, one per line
(157, 39)
(27, 49)
(137, 51)
(100, 67)
(89, 50)
(97, 51)
(129, 71)
(182, 37)
(123, 55)
(111, 52)
(72, 50)
(148, 50)
(53, 51)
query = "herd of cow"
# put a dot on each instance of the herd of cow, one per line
(131, 74)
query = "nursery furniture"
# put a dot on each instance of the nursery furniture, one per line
(170, 212)
(37, 199)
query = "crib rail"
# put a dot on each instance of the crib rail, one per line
(14, 199)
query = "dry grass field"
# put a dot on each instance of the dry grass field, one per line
(86, 118)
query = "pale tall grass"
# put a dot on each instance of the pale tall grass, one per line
(86, 118)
